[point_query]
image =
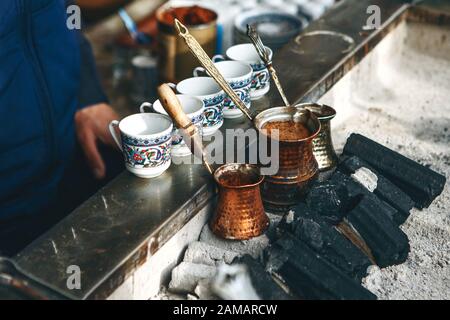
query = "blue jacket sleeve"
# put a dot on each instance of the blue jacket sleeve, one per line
(91, 91)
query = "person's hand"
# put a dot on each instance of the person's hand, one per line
(91, 125)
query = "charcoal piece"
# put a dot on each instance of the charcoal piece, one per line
(389, 245)
(386, 190)
(303, 210)
(262, 281)
(311, 233)
(355, 191)
(309, 275)
(328, 198)
(325, 239)
(333, 246)
(354, 237)
(290, 219)
(422, 184)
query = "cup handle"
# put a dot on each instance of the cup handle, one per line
(172, 85)
(144, 105)
(197, 70)
(218, 58)
(112, 129)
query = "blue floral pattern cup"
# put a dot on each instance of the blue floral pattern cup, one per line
(194, 108)
(239, 77)
(145, 141)
(209, 92)
(246, 53)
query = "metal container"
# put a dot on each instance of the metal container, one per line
(240, 212)
(297, 165)
(323, 144)
(176, 62)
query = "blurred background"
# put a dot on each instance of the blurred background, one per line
(136, 46)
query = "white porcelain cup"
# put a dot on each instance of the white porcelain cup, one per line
(246, 52)
(206, 89)
(145, 141)
(239, 76)
(193, 107)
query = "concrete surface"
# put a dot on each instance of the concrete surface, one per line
(186, 276)
(203, 253)
(253, 247)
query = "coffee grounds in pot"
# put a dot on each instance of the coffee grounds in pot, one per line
(190, 15)
(288, 130)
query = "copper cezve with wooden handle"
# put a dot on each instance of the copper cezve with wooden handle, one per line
(239, 213)
(297, 165)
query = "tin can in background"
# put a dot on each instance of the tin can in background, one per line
(175, 60)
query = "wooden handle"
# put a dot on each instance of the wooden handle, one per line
(173, 106)
(190, 134)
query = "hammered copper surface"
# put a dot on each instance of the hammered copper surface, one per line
(297, 164)
(240, 213)
(280, 197)
(323, 148)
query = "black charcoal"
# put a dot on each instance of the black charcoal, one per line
(325, 239)
(355, 191)
(333, 246)
(328, 198)
(309, 275)
(388, 244)
(262, 281)
(385, 190)
(289, 219)
(419, 182)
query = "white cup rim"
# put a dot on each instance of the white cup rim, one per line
(182, 87)
(162, 119)
(234, 51)
(197, 110)
(245, 67)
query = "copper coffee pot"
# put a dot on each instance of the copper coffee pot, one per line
(239, 213)
(323, 148)
(298, 167)
(297, 164)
